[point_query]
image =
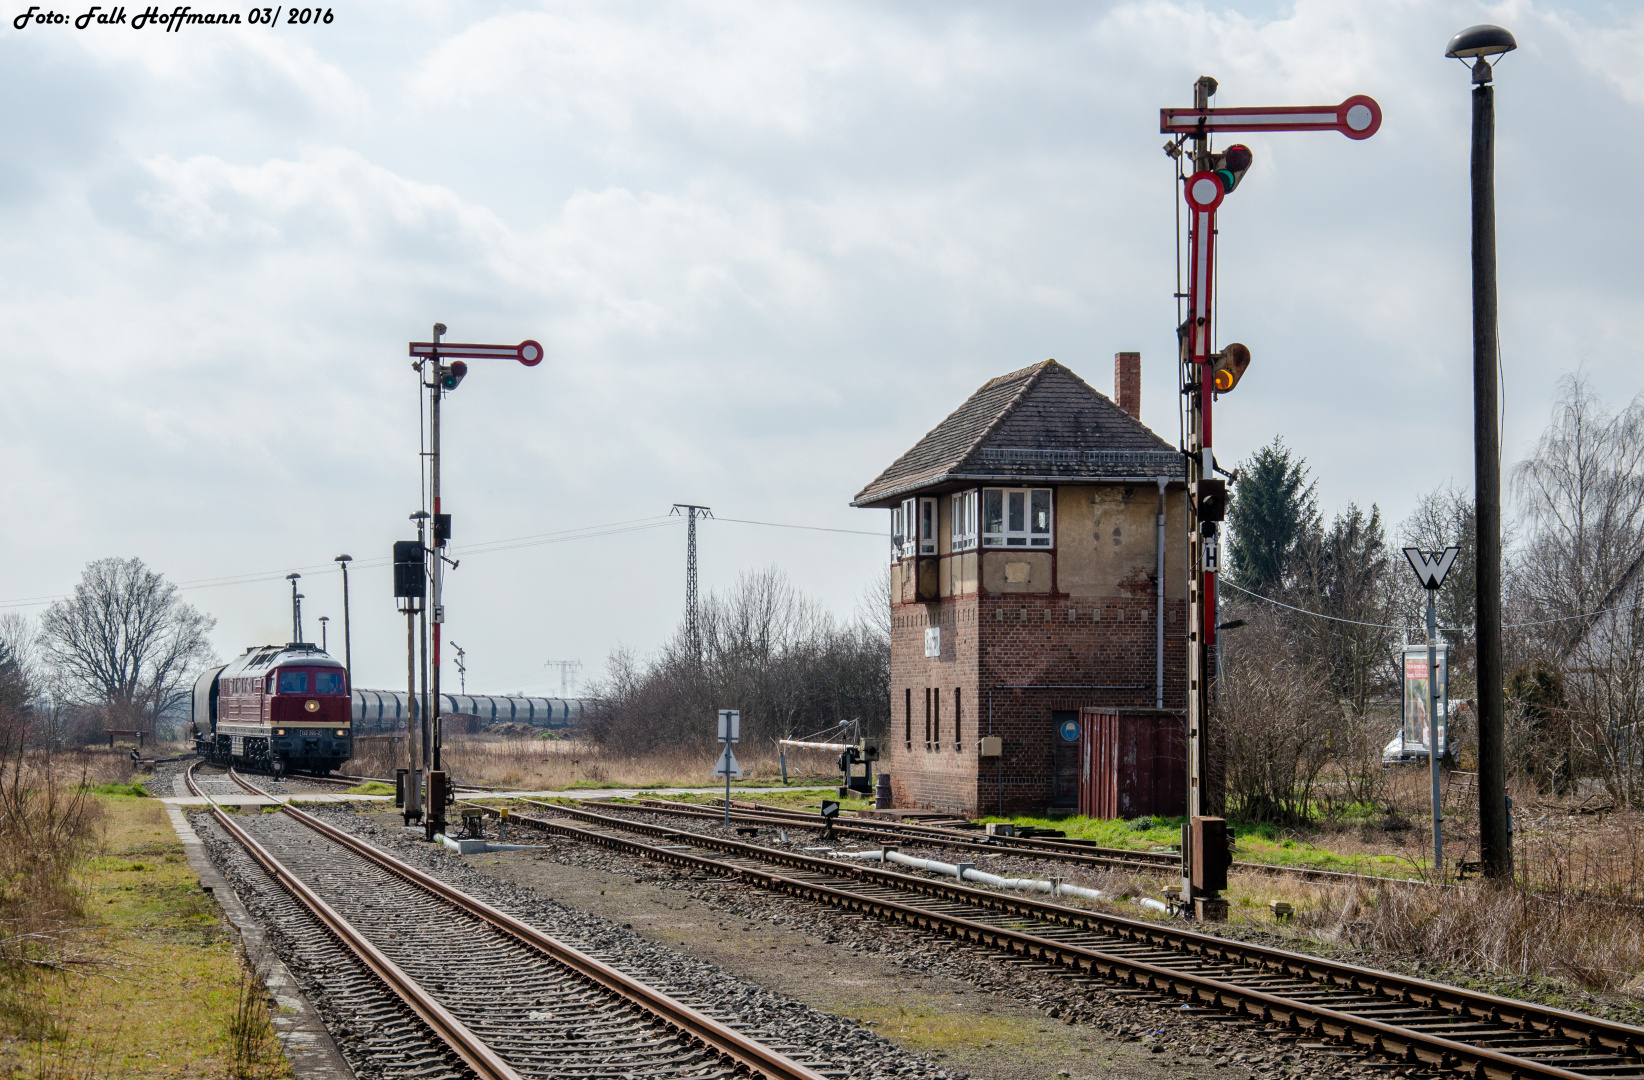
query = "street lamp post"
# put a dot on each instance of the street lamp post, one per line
(1478, 43)
(296, 610)
(324, 641)
(348, 639)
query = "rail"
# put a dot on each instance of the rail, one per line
(1387, 991)
(447, 1028)
(731, 1045)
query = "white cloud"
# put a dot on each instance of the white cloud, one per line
(766, 246)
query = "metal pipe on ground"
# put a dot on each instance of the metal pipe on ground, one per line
(968, 872)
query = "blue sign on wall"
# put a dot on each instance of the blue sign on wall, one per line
(1070, 730)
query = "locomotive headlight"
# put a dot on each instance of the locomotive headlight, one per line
(342, 732)
(279, 731)
(312, 706)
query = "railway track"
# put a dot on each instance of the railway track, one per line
(1068, 851)
(1412, 1021)
(504, 999)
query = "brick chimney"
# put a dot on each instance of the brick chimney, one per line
(1127, 382)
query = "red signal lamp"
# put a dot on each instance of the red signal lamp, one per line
(451, 376)
(1231, 164)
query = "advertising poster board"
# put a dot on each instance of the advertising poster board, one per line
(1415, 730)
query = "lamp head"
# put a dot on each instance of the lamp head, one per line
(292, 577)
(343, 559)
(1480, 40)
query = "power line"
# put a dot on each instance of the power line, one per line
(1406, 626)
(810, 528)
(588, 532)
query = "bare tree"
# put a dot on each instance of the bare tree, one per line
(873, 612)
(1604, 692)
(1344, 572)
(1582, 494)
(1276, 714)
(1445, 517)
(126, 641)
(771, 652)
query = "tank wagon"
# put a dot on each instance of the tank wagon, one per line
(386, 710)
(278, 708)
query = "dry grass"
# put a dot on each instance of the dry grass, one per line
(47, 824)
(1504, 931)
(564, 764)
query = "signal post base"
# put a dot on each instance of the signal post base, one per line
(1209, 909)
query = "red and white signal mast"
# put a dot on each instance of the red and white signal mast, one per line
(1206, 372)
(429, 360)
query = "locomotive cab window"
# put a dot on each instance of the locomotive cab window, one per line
(293, 682)
(328, 682)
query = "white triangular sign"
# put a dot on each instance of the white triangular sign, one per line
(1431, 570)
(727, 764)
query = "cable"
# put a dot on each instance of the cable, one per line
(1391, 626)
(1221, 580)
(588, 532)
(811, 528)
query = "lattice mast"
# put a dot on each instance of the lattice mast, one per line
(693, 627)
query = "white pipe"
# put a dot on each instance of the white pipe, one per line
(968, 872)
(837, 746)
(454, 846)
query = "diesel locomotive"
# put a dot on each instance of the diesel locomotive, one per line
(277, 708)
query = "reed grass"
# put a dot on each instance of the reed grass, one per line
(568, 764)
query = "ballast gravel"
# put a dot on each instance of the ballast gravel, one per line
(1129, 1034)
(321, 969)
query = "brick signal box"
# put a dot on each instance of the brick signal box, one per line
(1037, 539)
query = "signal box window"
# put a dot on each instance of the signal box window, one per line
(328, 682)
(1016, 517)
(964, 520)
(293, 682)
(913, 528)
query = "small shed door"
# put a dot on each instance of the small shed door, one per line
(1064, 763)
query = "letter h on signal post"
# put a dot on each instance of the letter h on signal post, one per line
(1205, 373)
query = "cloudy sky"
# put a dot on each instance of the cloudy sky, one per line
(766, 245)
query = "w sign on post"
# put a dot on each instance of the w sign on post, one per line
(730, 730)
(1431, 569)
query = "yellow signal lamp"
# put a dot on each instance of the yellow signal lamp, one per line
(1229, 366)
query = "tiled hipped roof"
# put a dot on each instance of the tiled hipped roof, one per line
(1041, 423)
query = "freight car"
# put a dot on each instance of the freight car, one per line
(385, 711)
(277, 708)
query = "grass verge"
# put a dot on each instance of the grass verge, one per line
(167, 984)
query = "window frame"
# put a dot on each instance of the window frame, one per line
(930, 521)
(966, 528)
(914, 527)
(1027, 537)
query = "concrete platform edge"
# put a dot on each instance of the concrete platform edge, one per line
(306, 1042)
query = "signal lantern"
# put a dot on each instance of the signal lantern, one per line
(1228, 367)
(1212, 502)
(453, 375)
(1231, 164)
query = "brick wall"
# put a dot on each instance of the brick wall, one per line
(1127, 382)
(993, 642)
